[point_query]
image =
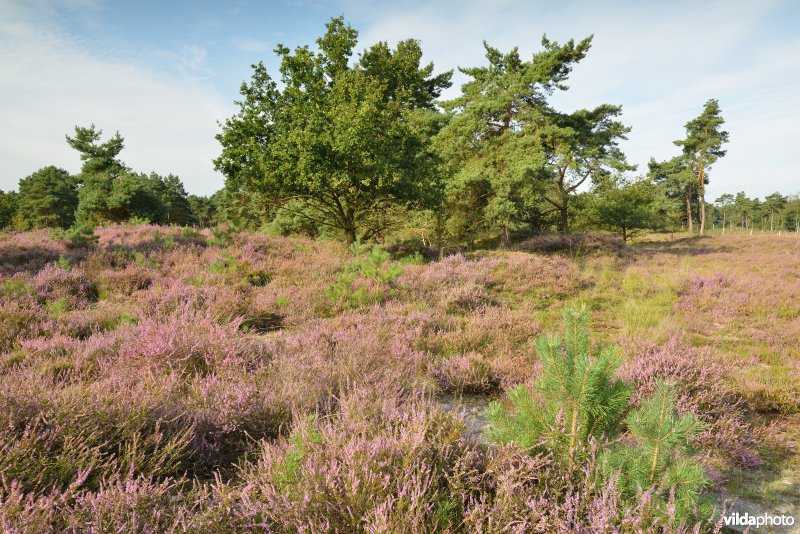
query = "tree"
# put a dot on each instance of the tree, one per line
(744, 209)
(48, 198)
(581, 146)
(624, 206)
(135, 195)
(677, 181)
(347, 139)
(577, 403)
(702, 147)
(239, 207)
(791, 213)
(97, 158)
(492, 144)
(98, 173)
(773, 205)
(175, 200)
(724, 203)
(576, 398)
(202, 209)
(9, 203)
(508, 150)
(659, 456)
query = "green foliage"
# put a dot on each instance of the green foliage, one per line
(624, 206)
(9, 204)
(575, 399)
(227, 264)
(111, 192)
(63, 263)
(203, 210)
(146, 261)
(659, 456)
(258, 278)
(80, 237)
(48, 198)
(678, 188)
(347, 139)
(702, 147)
(98, 158)
(581, 146)
(190, 233)
(173, 196)
(100, 168)
(13, 287)
(58, 306)
(303, 435)
(375, 263)
(366, 279)
(577, 403)
(511, 156)
(222, 236)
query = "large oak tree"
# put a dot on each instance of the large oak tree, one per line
(341, 140)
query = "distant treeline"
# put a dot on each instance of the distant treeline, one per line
(363, 149)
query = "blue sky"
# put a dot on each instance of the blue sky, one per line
(164, 73)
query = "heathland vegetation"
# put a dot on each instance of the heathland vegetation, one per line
(293, 354)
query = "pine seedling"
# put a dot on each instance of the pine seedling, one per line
(660, 457)
(575, 399)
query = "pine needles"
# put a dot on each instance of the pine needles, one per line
(577, 403)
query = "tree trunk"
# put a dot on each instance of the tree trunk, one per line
(688, 197)
(624, 235)
(562, 225)
(350, 233)
(505, 237)
(702, 185)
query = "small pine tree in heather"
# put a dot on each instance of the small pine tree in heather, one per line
(577, 402)
(659, 456)
(575, 399)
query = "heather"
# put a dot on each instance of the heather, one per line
(164, 379)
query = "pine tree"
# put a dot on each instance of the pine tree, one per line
(577, 402)
(577, 396)
(48, 198)
(702, 147)
(659, 457)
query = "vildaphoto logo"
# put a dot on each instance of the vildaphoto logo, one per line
(758, 521)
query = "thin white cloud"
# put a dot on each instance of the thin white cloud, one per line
(50, 83)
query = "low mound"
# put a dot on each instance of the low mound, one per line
(574, 244)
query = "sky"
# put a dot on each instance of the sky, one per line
(163, 73)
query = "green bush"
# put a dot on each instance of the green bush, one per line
(576, 398)
(577, 405)
(659, 456)
(366, 279)
(80, 237)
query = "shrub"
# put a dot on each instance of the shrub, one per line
(658, 458)
(576, 405)
(80, 237)
(468, 373)
(380, 469)
(575, 392)
(222, 236)
(368, 278)
(575, 244)
(703, 388)
(186, 342)
(72, 287)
